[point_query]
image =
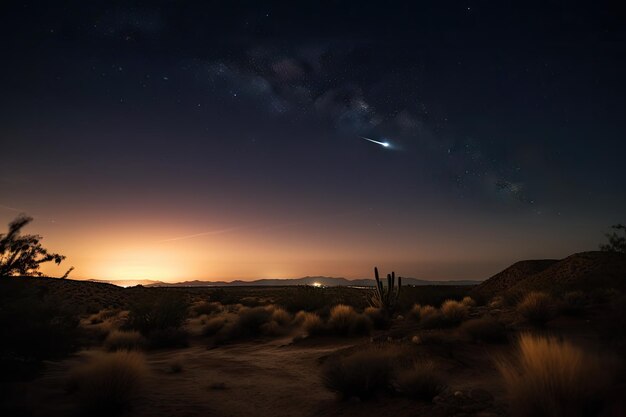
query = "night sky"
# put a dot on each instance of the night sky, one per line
(219, 140)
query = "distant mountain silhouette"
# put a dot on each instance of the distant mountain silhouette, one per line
(580, 271)
(325, 281)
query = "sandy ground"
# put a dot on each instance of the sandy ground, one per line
(261, 378)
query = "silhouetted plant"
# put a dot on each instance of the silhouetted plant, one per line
(616, 243)
(159, 319)
(386, 298)
(23, 254)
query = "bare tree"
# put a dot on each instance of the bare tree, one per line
(23, 254)
(617, 242)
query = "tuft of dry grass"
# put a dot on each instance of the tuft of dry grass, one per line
(496, 302)
(341, 318)
(124, 340)
(362, 325)
(311, 323)
(484, 329)
(454, 312)
(213, 326)
(109, 382)
(429, 316)
(378, 317)
(537, 308)
(468, 301)
(344, 320)
(206, 307)
(421, 381)
(281, 316)
(362, 374)
(554, 378)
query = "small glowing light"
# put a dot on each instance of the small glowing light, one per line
(385, 144)
(317, 284)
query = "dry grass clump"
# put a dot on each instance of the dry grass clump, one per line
(537, 308)
(484, 329)
(428, 316)
(343, 320)
(453, 311)
(362, 374)
(554, 378)
(254, 322)
(124, 340)
(311, 323)
(103, 315)
(213, 326)
(421, 381)
(281, 316)
(378, 317)
(496, 302)
(109, 382)
(468, 301)
(205, 307)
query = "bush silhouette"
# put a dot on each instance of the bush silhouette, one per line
(23, 254)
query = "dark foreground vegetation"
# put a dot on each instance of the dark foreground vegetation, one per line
(433, 350)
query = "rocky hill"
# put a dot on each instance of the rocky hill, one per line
(581, 271)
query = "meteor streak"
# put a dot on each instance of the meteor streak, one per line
(384, 144)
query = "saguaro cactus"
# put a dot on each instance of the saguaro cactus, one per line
(386, 298)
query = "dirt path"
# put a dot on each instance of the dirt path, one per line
(251, 379)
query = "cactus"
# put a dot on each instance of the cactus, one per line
(386, 298)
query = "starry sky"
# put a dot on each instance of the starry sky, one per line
(224, 140)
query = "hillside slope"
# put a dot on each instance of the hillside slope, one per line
(581, 271)
(510, 276)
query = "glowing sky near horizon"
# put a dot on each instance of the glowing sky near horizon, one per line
(175, 141)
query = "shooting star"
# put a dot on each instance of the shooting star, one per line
(383, 144)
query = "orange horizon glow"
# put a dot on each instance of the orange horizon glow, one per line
(126, 249)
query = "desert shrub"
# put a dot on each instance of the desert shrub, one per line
(496, 302)
(573, 303)
(554, 378)
(428, 316)
(109, 382)
(362, 374)
(309, 322)
(213, 326)
(378, 317)
(341, 318)
(430, 294)
(205, 307)
(281, 316)
(150, 313)
(421, 381)
(124, 340)
(103, 315)
(159, 318)
(361, 325)
(468, 301)
(484, 329)
(248, 323)
(537, 308)
(454, 312)
(250, 320)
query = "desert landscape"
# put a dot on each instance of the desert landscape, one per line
(312, 208)
(541, 338)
